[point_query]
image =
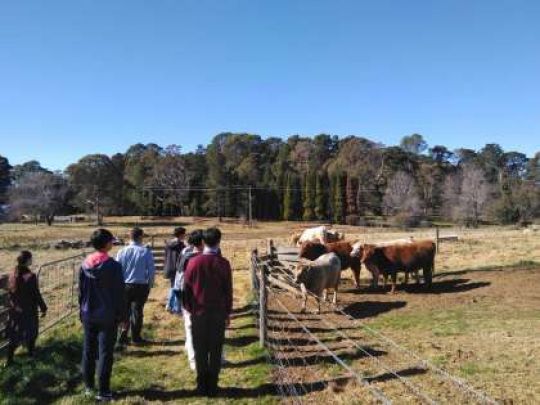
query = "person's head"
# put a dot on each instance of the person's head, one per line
(24, 259)
(102, 240)
(179, 233)
(195, 238)
(136, 234)
(212, 237)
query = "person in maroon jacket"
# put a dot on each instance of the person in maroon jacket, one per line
(208, 297)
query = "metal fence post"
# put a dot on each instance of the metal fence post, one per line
(262, 307)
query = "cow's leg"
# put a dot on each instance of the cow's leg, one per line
(406, 279)
(319, 303)
(385, 280)
(356, 272)
(325, 295)
(417, 276)
(394, 280)
(335, 296)
(304, 298)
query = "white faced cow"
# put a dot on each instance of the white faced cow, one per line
(318, 276)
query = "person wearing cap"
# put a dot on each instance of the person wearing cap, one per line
(173, 257)
(138, 269)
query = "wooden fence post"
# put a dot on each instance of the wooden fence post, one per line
(262, 307)
(437, 238)
(270, 249)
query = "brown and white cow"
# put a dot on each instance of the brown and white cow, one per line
(318, 276)
(406, 257)
(317, 234)
(313, 250)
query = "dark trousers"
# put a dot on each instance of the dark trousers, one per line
(208, 331)
(136, 296)
(98, 345)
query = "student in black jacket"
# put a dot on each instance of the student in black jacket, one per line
(173, 255)
(102, 308)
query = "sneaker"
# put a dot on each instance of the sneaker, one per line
(104, 397)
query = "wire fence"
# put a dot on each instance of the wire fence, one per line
(298, 345)
(58, 282)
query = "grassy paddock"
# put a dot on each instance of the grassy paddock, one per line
(484, 327)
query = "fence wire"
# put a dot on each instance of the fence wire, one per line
(58, 282)
(384, 358)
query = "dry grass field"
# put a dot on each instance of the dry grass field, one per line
(481, 321)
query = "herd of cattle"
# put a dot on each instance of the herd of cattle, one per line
(322, 260)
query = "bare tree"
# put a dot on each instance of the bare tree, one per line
(474, 196)
(40, 194)
(401, 198)
(170, 176)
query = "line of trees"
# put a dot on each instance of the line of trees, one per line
(348, 180)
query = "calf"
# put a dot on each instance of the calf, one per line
(318, 276)
(407, 257)
(313, 250)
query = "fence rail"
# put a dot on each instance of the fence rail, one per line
(273, 284)
(58, 282)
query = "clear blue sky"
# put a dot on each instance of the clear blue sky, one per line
(86, 76)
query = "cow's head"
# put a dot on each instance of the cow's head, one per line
(357, 249)
(367, 256)
(302, 271)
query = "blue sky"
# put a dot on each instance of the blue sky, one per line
(87, 76)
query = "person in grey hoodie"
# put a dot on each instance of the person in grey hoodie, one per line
(102, 308)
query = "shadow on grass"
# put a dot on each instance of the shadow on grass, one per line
(325, 358)
(369, 309)
(150, 353)
(246, 363)
(520, 265)
(239, 392)
(408, 372)
(178, 342)
(241, 341)
(52, 374)
(447, 287)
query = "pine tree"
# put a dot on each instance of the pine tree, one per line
(320, 198)
(339, 203)
(309, 198)
(288, 208)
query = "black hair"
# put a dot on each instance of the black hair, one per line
(136, 233)
(16, 281)
(179, 231)
(212, 237)
(100, 238)
(195, 238)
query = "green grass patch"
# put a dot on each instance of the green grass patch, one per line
(441, 323)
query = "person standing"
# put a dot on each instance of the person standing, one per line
(24, 299)
(173, 255)
(101, 301)
(208, 297)
(195, 246)
(138, 268)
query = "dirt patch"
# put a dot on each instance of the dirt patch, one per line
(481, 326)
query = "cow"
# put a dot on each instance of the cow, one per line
(318, 234)
(407, 257)
(357, 250)
(317, 277)
(313, 250)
